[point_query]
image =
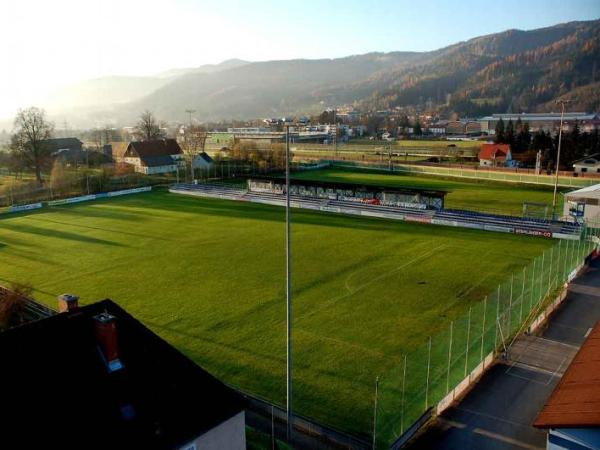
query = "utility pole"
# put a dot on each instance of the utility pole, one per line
(288, 291)
(335, 132)
(190, 112)
(562, 113)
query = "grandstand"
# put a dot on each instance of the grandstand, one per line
(412, 205)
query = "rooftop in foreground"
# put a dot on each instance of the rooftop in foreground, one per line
(71, 383)
(576, 400)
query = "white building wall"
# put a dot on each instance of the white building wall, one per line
(229, 435)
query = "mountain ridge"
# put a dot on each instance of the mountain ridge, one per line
(514, 70)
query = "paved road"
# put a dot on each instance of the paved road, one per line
(497, 414)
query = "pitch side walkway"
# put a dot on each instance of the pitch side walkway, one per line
(497, 414)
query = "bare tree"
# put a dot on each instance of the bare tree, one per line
(12, 306)
(193, 143)
(148, 127)
(31, 130)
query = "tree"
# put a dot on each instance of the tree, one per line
(194, 141)
(499, 135)
(31, 131)
(417, 130)
(148, 127)
(509, 135)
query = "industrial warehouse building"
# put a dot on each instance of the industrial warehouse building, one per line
(542, 121)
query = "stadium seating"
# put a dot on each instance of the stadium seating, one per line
(470, 219)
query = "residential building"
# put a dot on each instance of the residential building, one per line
(438, 128)
(473, 128)
(572, 413)
(202, 161)
(455, 127)
(492, 155)
(94, 377)
(154, 157)
(589, 164)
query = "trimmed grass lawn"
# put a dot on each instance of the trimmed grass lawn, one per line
(208, 276)
(497, 197)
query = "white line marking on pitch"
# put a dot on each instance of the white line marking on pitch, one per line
(587, 333)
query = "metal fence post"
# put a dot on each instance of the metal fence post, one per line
(542, 278)
(449, 358)
(483, 327)
(522, 299)
(403, 388)
(550, 270)
(566, 275)
(428, 365)
(497, 320)
(468, 338)
(512, 279)
(532, 287)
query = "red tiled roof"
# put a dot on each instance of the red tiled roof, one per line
(575, 402)
(494, 151)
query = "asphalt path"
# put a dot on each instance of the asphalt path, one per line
(497, 414)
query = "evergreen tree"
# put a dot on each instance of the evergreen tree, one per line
(499, 135)
(417, 129)
(509, 137)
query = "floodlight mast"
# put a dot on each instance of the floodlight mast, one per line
(562, 113)
(288, 291)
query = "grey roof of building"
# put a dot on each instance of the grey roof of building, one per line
(61, 394)
(62, 143)
(205, 156)
(157, 161)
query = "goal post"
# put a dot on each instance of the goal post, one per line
(536, 210)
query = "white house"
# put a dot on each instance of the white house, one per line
(589, 164)
(202, 161)
(154, 157)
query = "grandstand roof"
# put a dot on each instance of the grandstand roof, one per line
(356, 187)
(587, 192)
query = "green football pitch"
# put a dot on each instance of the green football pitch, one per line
(208, 276)
(498, 197)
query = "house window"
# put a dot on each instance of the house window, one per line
(583, 169)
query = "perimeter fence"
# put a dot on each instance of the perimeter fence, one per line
(428, 375)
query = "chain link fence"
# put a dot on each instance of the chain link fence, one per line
(426, 376)
(471, 173)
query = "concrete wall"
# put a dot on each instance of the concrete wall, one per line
(230, 435)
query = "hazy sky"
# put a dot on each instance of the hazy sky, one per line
(48, 43)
